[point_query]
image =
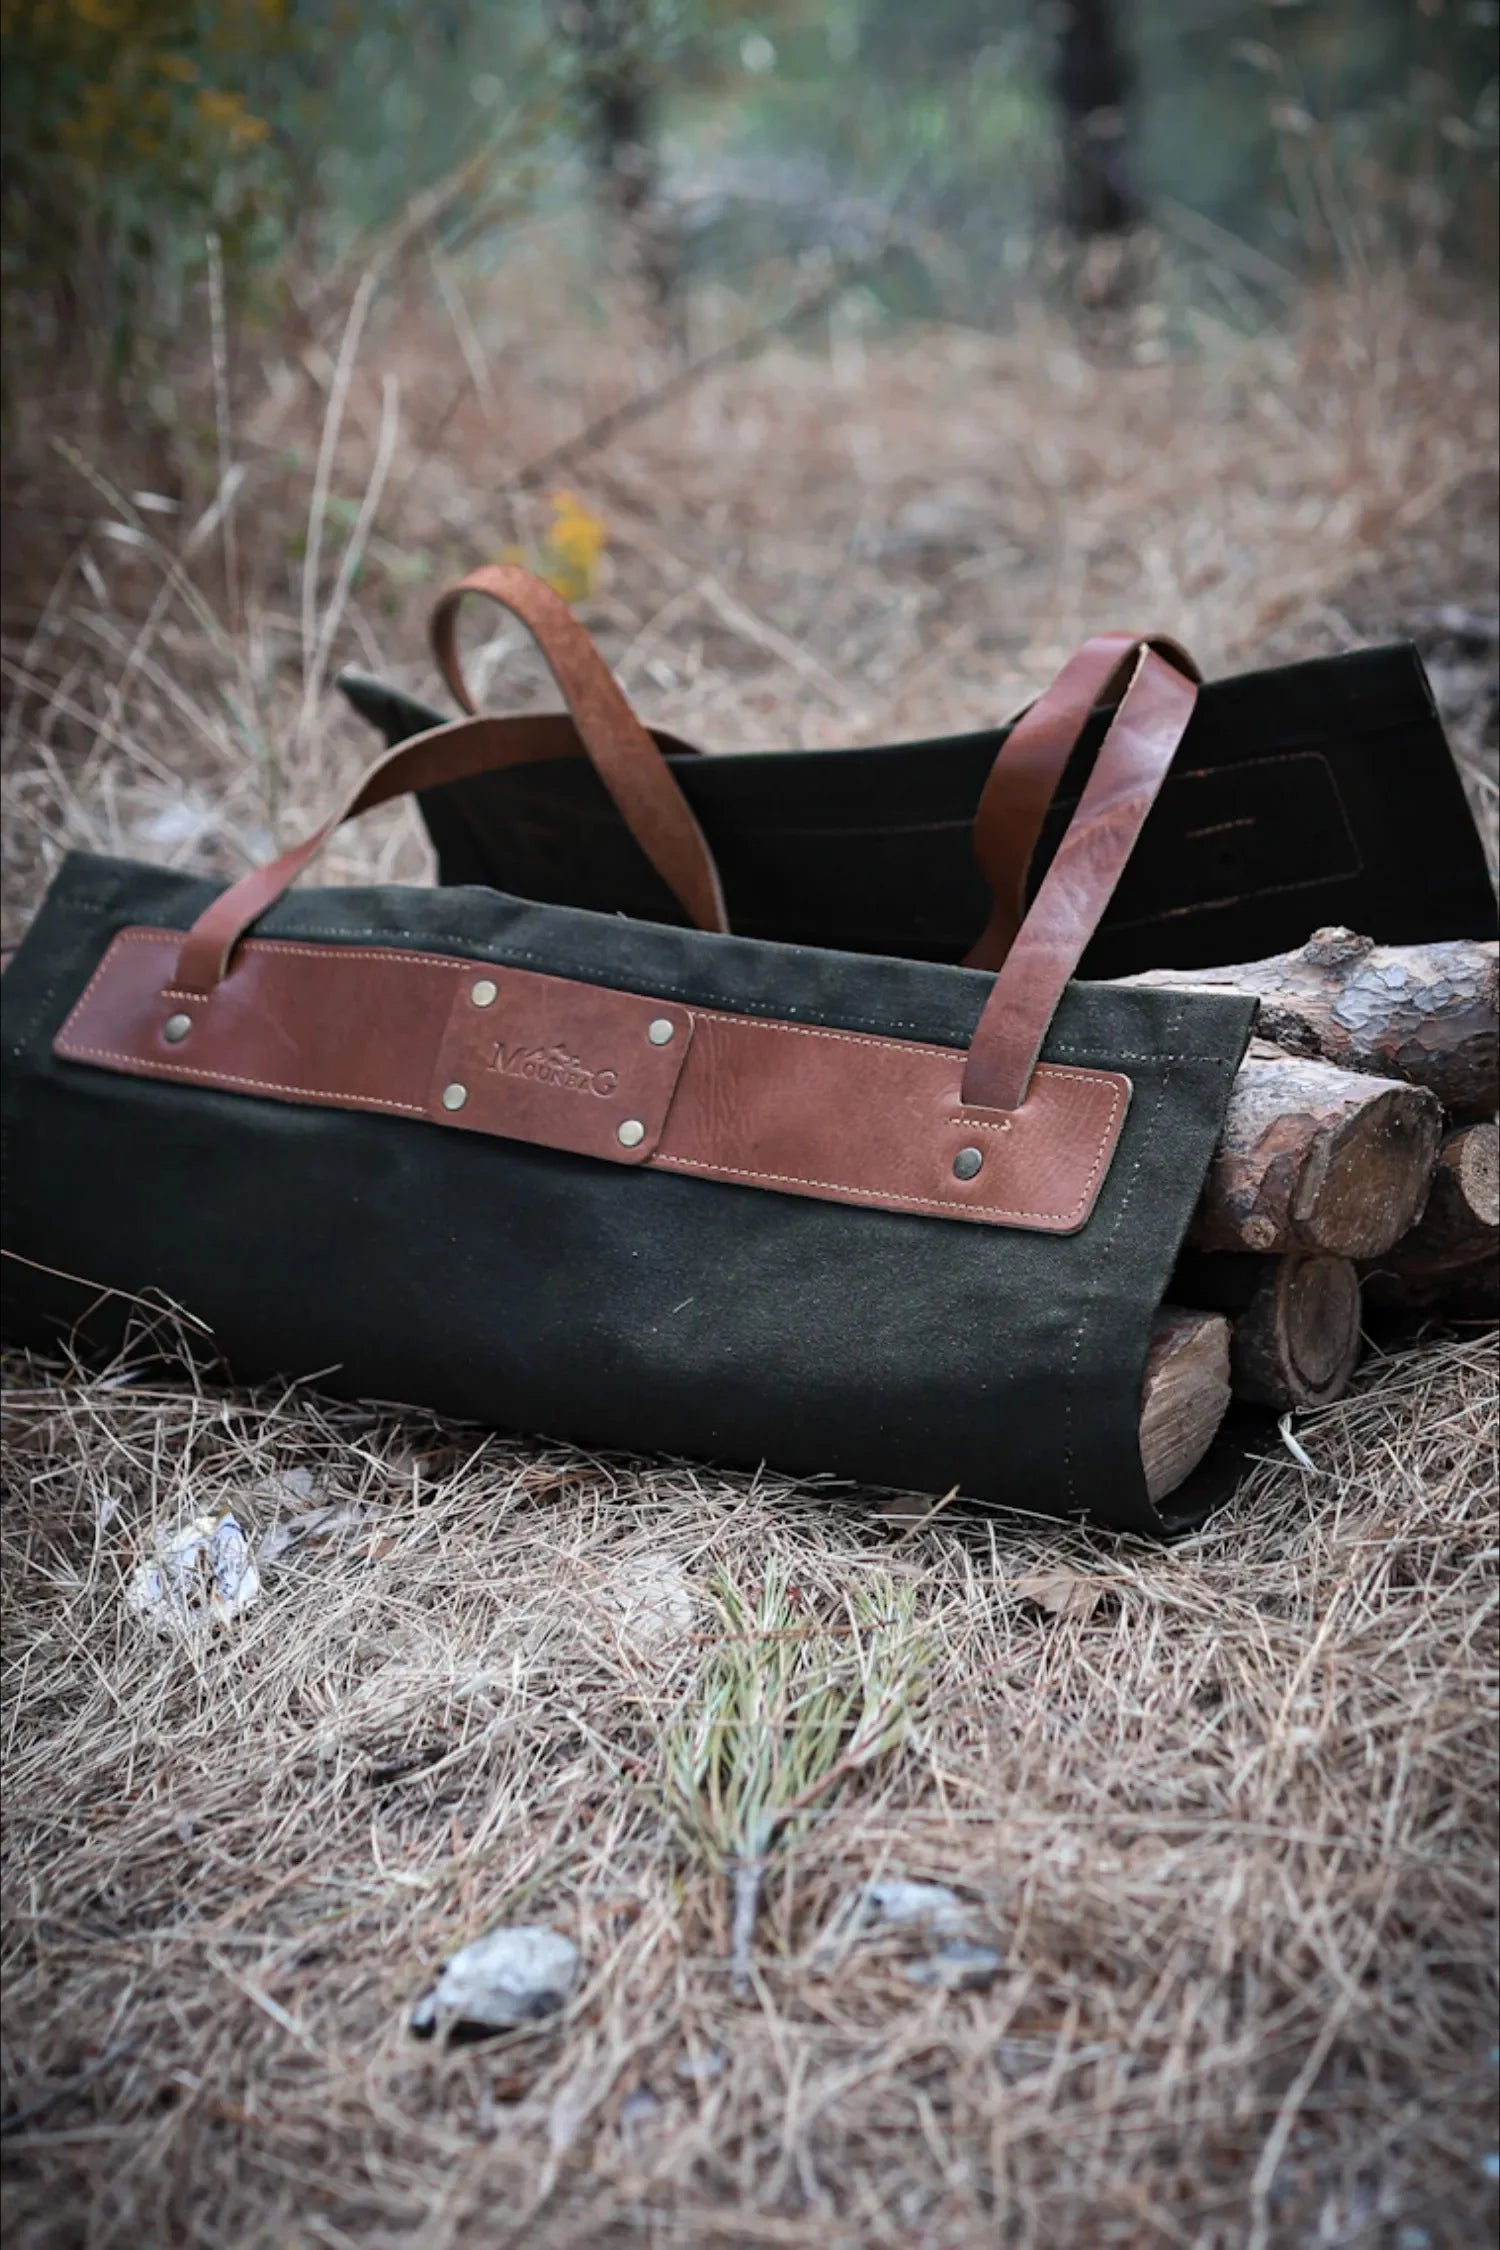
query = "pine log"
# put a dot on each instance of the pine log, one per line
(1451, 1257)
(1314, 1158)
(1429, 1014)
(1185, 1395)
(1296, 1331)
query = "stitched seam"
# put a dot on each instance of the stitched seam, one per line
(1108, 1244)
(513, 955)
(447, 961)
(256, 1085)
(518, 953)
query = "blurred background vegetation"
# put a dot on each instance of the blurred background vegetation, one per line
(948, 154)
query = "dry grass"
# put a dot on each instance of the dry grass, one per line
(1231, 1824)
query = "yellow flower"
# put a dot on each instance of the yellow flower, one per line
(177, 67)
(227, 112)
(568, 557)
(574, 545)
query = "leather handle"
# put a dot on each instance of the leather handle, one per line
(1133, 761)
(624, 755)
(1025, 776)
(628, 760)
(426, 761)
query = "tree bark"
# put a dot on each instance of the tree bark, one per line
(1185, 1395)
(1296, 1323)
(612, 40)
(1451, 1257)
(1426, 1013)
(1092, 80)
(1314, 1158)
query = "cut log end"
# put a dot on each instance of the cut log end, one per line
(1297, 1342)
(1296, 1320)
(1312, 1158)
(1185, 1395)
(1451, 1258)
(1472, 1159)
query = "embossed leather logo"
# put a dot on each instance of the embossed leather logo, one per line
(552, 1066)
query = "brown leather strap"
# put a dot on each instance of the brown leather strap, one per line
(624, 755)
(1133, 761)
(426, 761)
(1025, 776)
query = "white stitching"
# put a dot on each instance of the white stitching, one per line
(166, 1069)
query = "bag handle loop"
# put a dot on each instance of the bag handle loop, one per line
(1133, 761)
(1026, 773)
(626, 758)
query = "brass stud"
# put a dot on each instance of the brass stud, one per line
(176, 1028)
(631, 1133)
(455, 1096)
(967, 1163)
(661, 1031)
(485, 993)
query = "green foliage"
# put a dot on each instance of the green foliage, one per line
(132, 131)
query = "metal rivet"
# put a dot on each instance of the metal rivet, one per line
(485, 994)
(176, 1028)
(455, 1096)
(660, 1031)
(631, 1133)
(967, 1163)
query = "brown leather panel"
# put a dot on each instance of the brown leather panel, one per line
(796, 1109)
(851, 1118)
(1024, 778)
(1133, 762)
(353, 1027)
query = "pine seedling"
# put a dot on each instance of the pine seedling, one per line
(784, 1709)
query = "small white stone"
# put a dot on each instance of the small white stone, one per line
(512, 1976)
(958, 1966)
(649, 1597)
(927, 1906)
(200, 1577)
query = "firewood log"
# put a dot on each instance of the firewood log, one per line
(1451, 1257)
(1185, 1394)
(1429, 1014)
(1296, 1323)
(1315, 1158)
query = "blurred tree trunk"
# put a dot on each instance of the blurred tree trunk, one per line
(1092, 79)
(612, 41)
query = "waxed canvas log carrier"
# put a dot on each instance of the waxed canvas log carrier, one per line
(1308, 794)
(654, 1187)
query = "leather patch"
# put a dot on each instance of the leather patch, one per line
(788, 1108)
(566, 1065)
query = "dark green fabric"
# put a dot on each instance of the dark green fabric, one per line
(1307, 794)
(631, 1308)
